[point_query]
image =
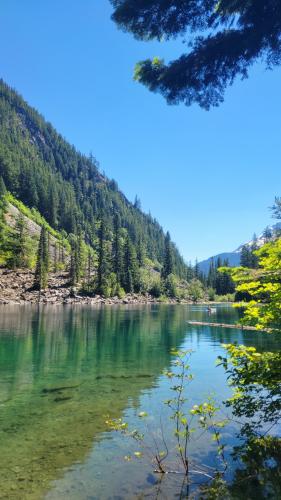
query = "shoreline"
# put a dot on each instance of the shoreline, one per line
(16, 289)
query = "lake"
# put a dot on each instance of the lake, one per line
(65, 369)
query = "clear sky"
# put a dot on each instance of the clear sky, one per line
(208, 177)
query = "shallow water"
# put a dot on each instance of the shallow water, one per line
(63, 370)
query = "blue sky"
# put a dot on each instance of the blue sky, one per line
(208, 177)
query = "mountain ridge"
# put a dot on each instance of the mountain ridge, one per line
(41, 169)
(234, 257)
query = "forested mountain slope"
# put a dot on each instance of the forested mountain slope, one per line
(44, 171)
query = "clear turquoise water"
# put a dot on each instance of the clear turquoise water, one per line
(63, 370)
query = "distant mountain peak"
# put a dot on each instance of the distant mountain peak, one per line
(234, 257)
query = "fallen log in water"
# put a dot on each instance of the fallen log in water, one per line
(223, 325)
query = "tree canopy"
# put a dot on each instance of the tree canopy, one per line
(225, 38)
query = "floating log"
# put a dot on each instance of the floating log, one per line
(223, 325)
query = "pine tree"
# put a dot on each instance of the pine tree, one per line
(75, 259)
(168, 257)
(137, 203)
(267, 234)
(211, 280)
(140, 252)
(3, 208)
(131, 270)
(17, 244)
(245, 258)
(88, 273)
(254, 257)
(56, 257)
(189, 272)
(103, 260)
(117, 250)
(42, 262)
(224, 282)
(3, 189)
(196, 269)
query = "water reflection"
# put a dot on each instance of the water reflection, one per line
(63, 369)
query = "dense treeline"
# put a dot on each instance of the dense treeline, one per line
(45, 172)
(89, 228)
(113, 267)
(219, 280)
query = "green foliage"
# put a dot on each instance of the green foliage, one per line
(263, 286)
(149, 282)
(170, 285)
(249, 257)
(229, 297)
(42, 263)
(168, 258)
(78, 257)
(256, 401)
(3, 209)
(18, 245)
(32, 214)
(195, 290)
(104, 267)
(211, 294)
(131, 270)
(256, 379)
(183, 418)
(228, 37)
(60, 187)
(219, 279)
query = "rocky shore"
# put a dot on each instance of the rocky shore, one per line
(16, 287)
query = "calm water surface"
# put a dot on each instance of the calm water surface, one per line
(63, 370)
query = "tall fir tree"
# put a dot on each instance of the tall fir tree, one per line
(75, 268)
(89, 270)
(3, 209)
(196, 269)
(211, 279)
(254, 257)
(131, 269)
(168, 257)
(103, 270)
(117, 249)
(267, 234)
(17, 243)
(246, 257)
(42, 261)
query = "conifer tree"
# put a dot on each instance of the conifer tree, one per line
(117, 250)
(254, 257)
(189, 272)
(75, 259)
(89, 269)
(196, 270)
(140, 252)
(211, 280)
(3, 208)
(131, 270)
(103, 260)
(168, 257)
(56, 257)
(42, 262)
(267, 234)
(3, 190)
(245, 258)
(18, 243)
(137, 203)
